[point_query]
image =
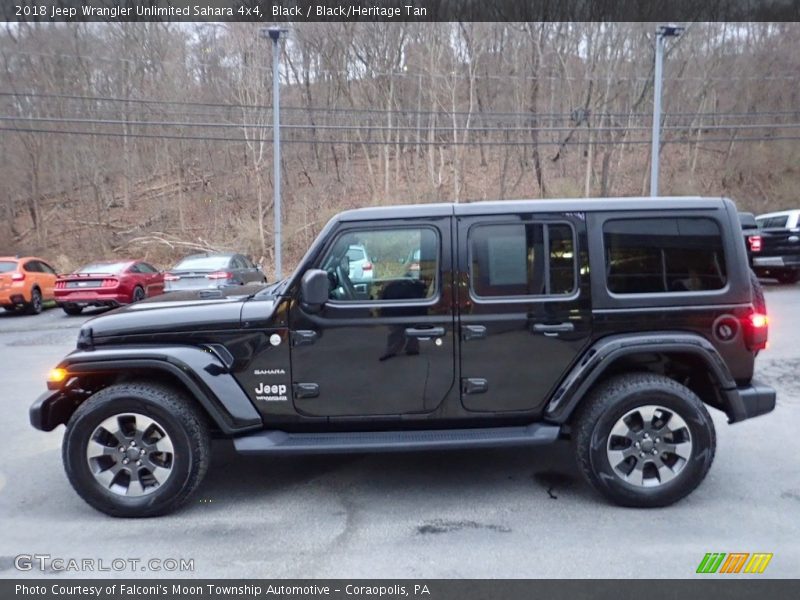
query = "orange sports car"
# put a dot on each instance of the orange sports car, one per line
(27, 282)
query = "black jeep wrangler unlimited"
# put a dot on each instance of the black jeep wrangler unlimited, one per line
(612, 322)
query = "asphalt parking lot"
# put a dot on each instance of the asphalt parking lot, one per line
(502, 513)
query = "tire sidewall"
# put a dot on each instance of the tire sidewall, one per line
(703, 441)
(36, 301)
(78, 471)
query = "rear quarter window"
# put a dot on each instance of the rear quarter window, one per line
(663, 255)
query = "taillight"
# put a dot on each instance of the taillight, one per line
(60, 285)
(755, 243)
(367, 267)
(171, 277)
(18, 277)
(219, 275)
(756, 331)
(109, 282)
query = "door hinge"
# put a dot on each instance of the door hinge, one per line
(303, 337)
(473, 385)
(306, 390)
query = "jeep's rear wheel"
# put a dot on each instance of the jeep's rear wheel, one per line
(136, 450)
(644, 440)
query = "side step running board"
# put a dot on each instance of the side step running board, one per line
(281, 442)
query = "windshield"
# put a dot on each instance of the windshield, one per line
(117, 267)
(202, 263)
(7, 266)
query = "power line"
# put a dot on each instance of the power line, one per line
(403, 143)
(391, 128)
(566, 115)
(356, 75)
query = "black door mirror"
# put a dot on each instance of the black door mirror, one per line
(314, 289)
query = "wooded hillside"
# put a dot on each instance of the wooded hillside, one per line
(153, 139)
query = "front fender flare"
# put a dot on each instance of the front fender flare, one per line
(199, 370)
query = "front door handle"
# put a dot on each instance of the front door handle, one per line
(303, 337)
(424, 333)
(554, 329)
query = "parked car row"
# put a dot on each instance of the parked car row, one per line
(28, 283)
(773, 244)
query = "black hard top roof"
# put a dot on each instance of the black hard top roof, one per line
(521, 206)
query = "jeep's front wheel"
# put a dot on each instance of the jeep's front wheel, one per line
(644, 440)
(136, 449)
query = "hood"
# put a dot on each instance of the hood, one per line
(175, 312)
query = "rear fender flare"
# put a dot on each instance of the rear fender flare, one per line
(601, 355)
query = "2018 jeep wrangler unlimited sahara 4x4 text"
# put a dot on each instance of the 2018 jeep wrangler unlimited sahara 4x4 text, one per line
(612, 322)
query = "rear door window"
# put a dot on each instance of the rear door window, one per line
(663, 255)
(517, 259)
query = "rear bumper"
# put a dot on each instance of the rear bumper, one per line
(14, 296)
(777, 262)
(750, 401)
(87, 298)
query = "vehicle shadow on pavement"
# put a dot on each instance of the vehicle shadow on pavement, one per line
(547, 472)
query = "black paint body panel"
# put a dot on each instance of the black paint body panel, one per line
(265, 361)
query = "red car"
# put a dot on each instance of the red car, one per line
(108, 284)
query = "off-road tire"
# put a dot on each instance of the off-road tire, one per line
(608, 403)
(182, 420)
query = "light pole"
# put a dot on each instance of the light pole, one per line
(662, 32)
(274, 33)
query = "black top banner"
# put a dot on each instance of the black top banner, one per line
(399, 10)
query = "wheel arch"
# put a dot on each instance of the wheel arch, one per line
(687, 358)
(208, 383)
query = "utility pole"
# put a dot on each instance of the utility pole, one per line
(274, 33)
(662, 32)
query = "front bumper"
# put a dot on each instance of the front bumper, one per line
(750, 401)
(50, 409)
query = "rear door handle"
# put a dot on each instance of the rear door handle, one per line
(552, 330)
(473, 332)
(425, 332)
